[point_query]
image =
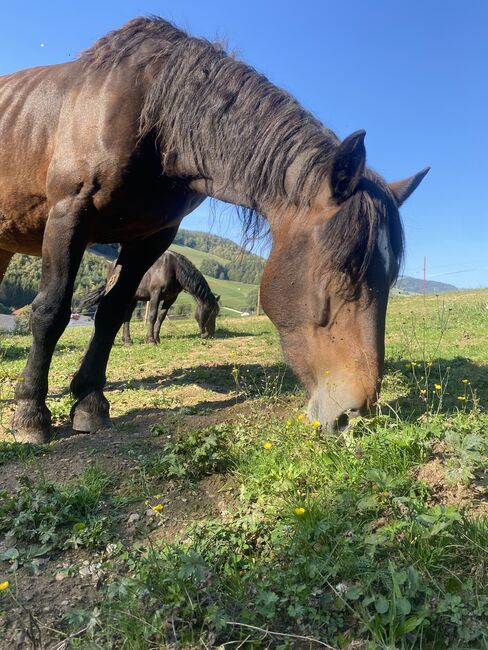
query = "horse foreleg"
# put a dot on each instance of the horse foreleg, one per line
(153, 313)
(5, 258)
(62, 250)
(126, 339)
(163, 312)
(91, 410)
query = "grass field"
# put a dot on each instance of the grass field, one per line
(213, 515)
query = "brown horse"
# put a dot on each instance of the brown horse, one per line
(171, 274)
(122, 143)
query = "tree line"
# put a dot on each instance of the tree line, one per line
(21, 283)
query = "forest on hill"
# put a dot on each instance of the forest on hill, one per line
(416, 285)
(233, 263)
(239, 264)
(21, 282)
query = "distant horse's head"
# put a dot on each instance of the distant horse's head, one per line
(327, 280)
(206, 314)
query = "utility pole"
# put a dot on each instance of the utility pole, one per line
(258, 305)
(425, 275)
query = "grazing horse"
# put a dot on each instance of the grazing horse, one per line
(121, 144)
(171, 274)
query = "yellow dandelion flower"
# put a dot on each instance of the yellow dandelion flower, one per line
(423, 391)
(437, 386)
(4, 585)
(299, 512)
(413, 364)
(316, 424)
(429, 363)
(158, 507)
(465, 381)
(461, 397)
(267, 445)
(300, 417)
(288, 423)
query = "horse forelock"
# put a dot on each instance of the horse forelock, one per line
(355, 233)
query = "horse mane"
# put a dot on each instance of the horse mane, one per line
(222, 110)
(350, 236)
(191, 279)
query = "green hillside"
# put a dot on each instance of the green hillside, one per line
(196, 256)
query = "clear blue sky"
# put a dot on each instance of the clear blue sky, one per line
(413, 74)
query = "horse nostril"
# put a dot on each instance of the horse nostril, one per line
(342, 422)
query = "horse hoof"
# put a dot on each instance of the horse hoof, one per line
(91, 413)
(25, 429)
(85, 422)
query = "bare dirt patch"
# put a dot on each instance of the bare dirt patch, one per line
(471, 497)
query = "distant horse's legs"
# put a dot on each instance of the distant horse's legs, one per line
(91, 410)
(126, 339)
(163, 312)
(62, 250)
(153, 312)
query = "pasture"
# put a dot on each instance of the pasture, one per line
(213, 514)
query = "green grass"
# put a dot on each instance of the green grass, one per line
(197, 256)
(45, 517)
(373, 539)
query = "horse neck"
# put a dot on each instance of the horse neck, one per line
(192, 281)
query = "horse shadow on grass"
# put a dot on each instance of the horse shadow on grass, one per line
(253, 379)
(168, 334)
(463, 385)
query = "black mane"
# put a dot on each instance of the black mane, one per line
(191, 279)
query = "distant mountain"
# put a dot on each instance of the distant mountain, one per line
(416, 285)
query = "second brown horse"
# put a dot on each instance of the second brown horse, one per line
(171, 274)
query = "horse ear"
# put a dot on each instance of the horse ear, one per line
(402, 189)
(348, 166)
(217, 298)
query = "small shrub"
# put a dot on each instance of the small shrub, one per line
(47, 516)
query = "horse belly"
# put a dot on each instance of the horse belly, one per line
(144, 212)
(22, 226)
